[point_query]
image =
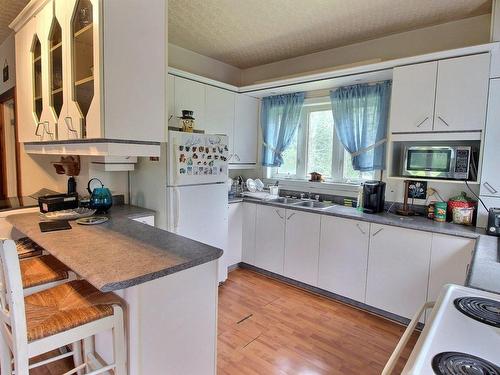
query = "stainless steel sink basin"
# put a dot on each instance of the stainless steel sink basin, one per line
(284, 200)
(313, 204)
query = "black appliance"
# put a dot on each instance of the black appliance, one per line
(57, 202)
(373, 197)
(493, 227)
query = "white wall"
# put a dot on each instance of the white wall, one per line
(10, 147)
(193, 62)
(470, 31)
(7, 53)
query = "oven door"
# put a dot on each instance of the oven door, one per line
(433, 162)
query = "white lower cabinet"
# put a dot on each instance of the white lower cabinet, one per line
(270, 238)
(302, 246)
(248, 233)
(450, 257)
(398, 269)
(343, 257)
(235, 235)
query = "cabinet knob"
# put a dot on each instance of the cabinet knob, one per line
(377, 232)
(278, 213)
(293, 213)
(360, 229)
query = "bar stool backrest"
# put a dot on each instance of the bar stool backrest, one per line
(12, 314)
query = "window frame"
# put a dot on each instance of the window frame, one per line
(317, 104)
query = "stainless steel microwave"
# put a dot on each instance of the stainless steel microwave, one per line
(449, 162)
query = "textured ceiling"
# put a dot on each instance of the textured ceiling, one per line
(247, 33)
(9, 9)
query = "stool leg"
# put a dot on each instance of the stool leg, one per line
(88, 348)
(76, 347)
(5, 357)
(119, 345)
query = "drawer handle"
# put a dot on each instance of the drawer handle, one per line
(237, 157)
(278, 213)
(490, 188)
(38, 128)
(293, 213)
(377, 232)
(46, 127)
(422, 122)
(360, 229)
(443, 120)
(230, 156)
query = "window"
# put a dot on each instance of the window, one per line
(316, 148)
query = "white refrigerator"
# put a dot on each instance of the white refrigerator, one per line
(196, 189)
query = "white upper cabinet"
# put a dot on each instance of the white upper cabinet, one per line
(343, 258)
(398, 269)
(172, 119)
(190, 95)
(450, 258)
(490, 176)
(441, 96)
(77, 91)
(412, 97)
(302, 246)
(462, 91)
(246, 126)
(219, 105)
(270, 238)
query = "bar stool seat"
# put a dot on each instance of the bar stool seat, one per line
(66, 306)
(27, 248)
(42, 270)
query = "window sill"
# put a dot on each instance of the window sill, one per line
(327, 187)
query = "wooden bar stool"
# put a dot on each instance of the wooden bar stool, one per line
(53, 318)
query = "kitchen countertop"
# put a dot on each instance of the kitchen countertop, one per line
(484, 271)
(119, 253)
(235, 200)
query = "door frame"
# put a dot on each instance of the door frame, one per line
(6, 96)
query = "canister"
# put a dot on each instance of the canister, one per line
(440, 211)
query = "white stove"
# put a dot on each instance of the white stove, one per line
(462, 335)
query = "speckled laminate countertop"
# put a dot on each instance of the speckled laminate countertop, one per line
(484, 271)
(121, 252)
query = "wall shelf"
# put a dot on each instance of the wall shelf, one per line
(83, 30)
(84, 80)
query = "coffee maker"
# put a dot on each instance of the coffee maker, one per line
(373, 197)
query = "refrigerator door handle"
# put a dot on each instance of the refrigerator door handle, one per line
(177, 207)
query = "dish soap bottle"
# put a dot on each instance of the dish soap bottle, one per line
(359, 205)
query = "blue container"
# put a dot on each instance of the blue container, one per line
(100, 198)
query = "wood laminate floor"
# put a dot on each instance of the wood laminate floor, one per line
(267, 327)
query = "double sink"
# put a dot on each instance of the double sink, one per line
(302, 203)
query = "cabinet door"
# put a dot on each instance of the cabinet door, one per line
(44, 20)
(248, 234)
(219, 111)
(343, 257)
(302, 246)
(450, 257)
(490, 178)
(235, 225)
(462, 91)
(246, 124)
(270, 238)
(172, 120)
(412, 98)
(398, 269)
(26, 101)
(190, 95)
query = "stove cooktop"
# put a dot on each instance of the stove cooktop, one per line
(456, 363)
(461, 335)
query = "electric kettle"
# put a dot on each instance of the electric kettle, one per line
(100, 198)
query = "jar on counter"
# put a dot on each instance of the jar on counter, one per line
(440, 211)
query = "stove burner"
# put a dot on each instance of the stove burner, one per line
(481, 309)
(455, 363)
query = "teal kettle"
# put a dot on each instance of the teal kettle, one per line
(100, 198)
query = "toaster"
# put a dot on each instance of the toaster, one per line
(493, 227)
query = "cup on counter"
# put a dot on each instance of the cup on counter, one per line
(274, 190)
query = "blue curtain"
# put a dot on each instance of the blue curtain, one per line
(280, 116)
(360, 113)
